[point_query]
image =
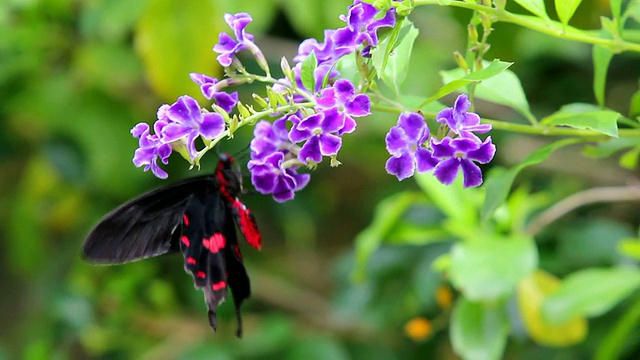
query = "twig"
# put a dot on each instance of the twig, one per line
(590, 196)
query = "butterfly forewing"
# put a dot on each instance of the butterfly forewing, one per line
(143, 227)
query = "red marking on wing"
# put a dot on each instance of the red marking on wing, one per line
(185, 240)
(185, 219)
(237, 250)
(248, 225)
(191, 260)
(219, 239)
(219, 285)
(201, 274)
(214, 243)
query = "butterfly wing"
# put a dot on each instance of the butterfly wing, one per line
(210, 247)
(145, 226)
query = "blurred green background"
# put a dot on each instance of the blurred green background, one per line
(75, 76)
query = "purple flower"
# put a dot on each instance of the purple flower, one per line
(270, 153)
(188, 121)
(270, 138)
(405, 144)
(326, 52)
(151, 148)
(269, 176)
(207, 85)
(460, 153)
(343, 95)
(319, 132)
(460, 121)
(229, 46)
(362, 26)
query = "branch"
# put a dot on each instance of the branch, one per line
(586, 197)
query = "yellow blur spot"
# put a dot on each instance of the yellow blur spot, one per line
(418, 329)
(531, 293)
(444, 297)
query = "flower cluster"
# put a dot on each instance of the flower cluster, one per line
(413, 148)
(305, 136)
(177, 128)
(305, 114)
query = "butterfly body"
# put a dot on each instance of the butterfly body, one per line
(196, 216)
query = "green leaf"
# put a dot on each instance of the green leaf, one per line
(616, 338)
(590, 292)
(504, 88)
(174, 39)
(307, 72)
(387, 214)
(601, 59)
(499, 181)
(630, 248)
(632, 11)
(610, 147)
(585, 116)
(629, 160)
(566, 9)
(616, 6)
(458, 204)
(531, 293)
(535, 7)
(479, 331)
(487, 269)
(634, 104)
(317, 347)
(495, 68)
(393, 67)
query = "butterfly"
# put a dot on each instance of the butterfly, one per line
(197, 216)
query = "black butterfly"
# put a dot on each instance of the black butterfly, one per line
(196, 216)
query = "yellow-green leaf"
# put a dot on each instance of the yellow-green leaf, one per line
(531, 292)
(175, 38)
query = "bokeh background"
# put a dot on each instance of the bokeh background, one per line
(76, 75)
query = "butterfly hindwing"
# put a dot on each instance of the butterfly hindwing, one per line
(211, 252)
(143, 227)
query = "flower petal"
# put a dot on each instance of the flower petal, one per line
(402, 167)
(349, 125)
(442, 149)
(329, 144)
(471, 172)
(185, 111)
(333, 120)
(212, 125)
(447, 170)
(311, 122)
(139, 129)
(484, 153)
(225, 100)
(310, 151)
(359, 106)
(425, 160)
(173, 132)
(413, 125)
(396, 141)
(344, 90)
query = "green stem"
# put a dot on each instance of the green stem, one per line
(555, 131)
(545, 26)
(252, 119)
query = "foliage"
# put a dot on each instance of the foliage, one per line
(535, 262)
